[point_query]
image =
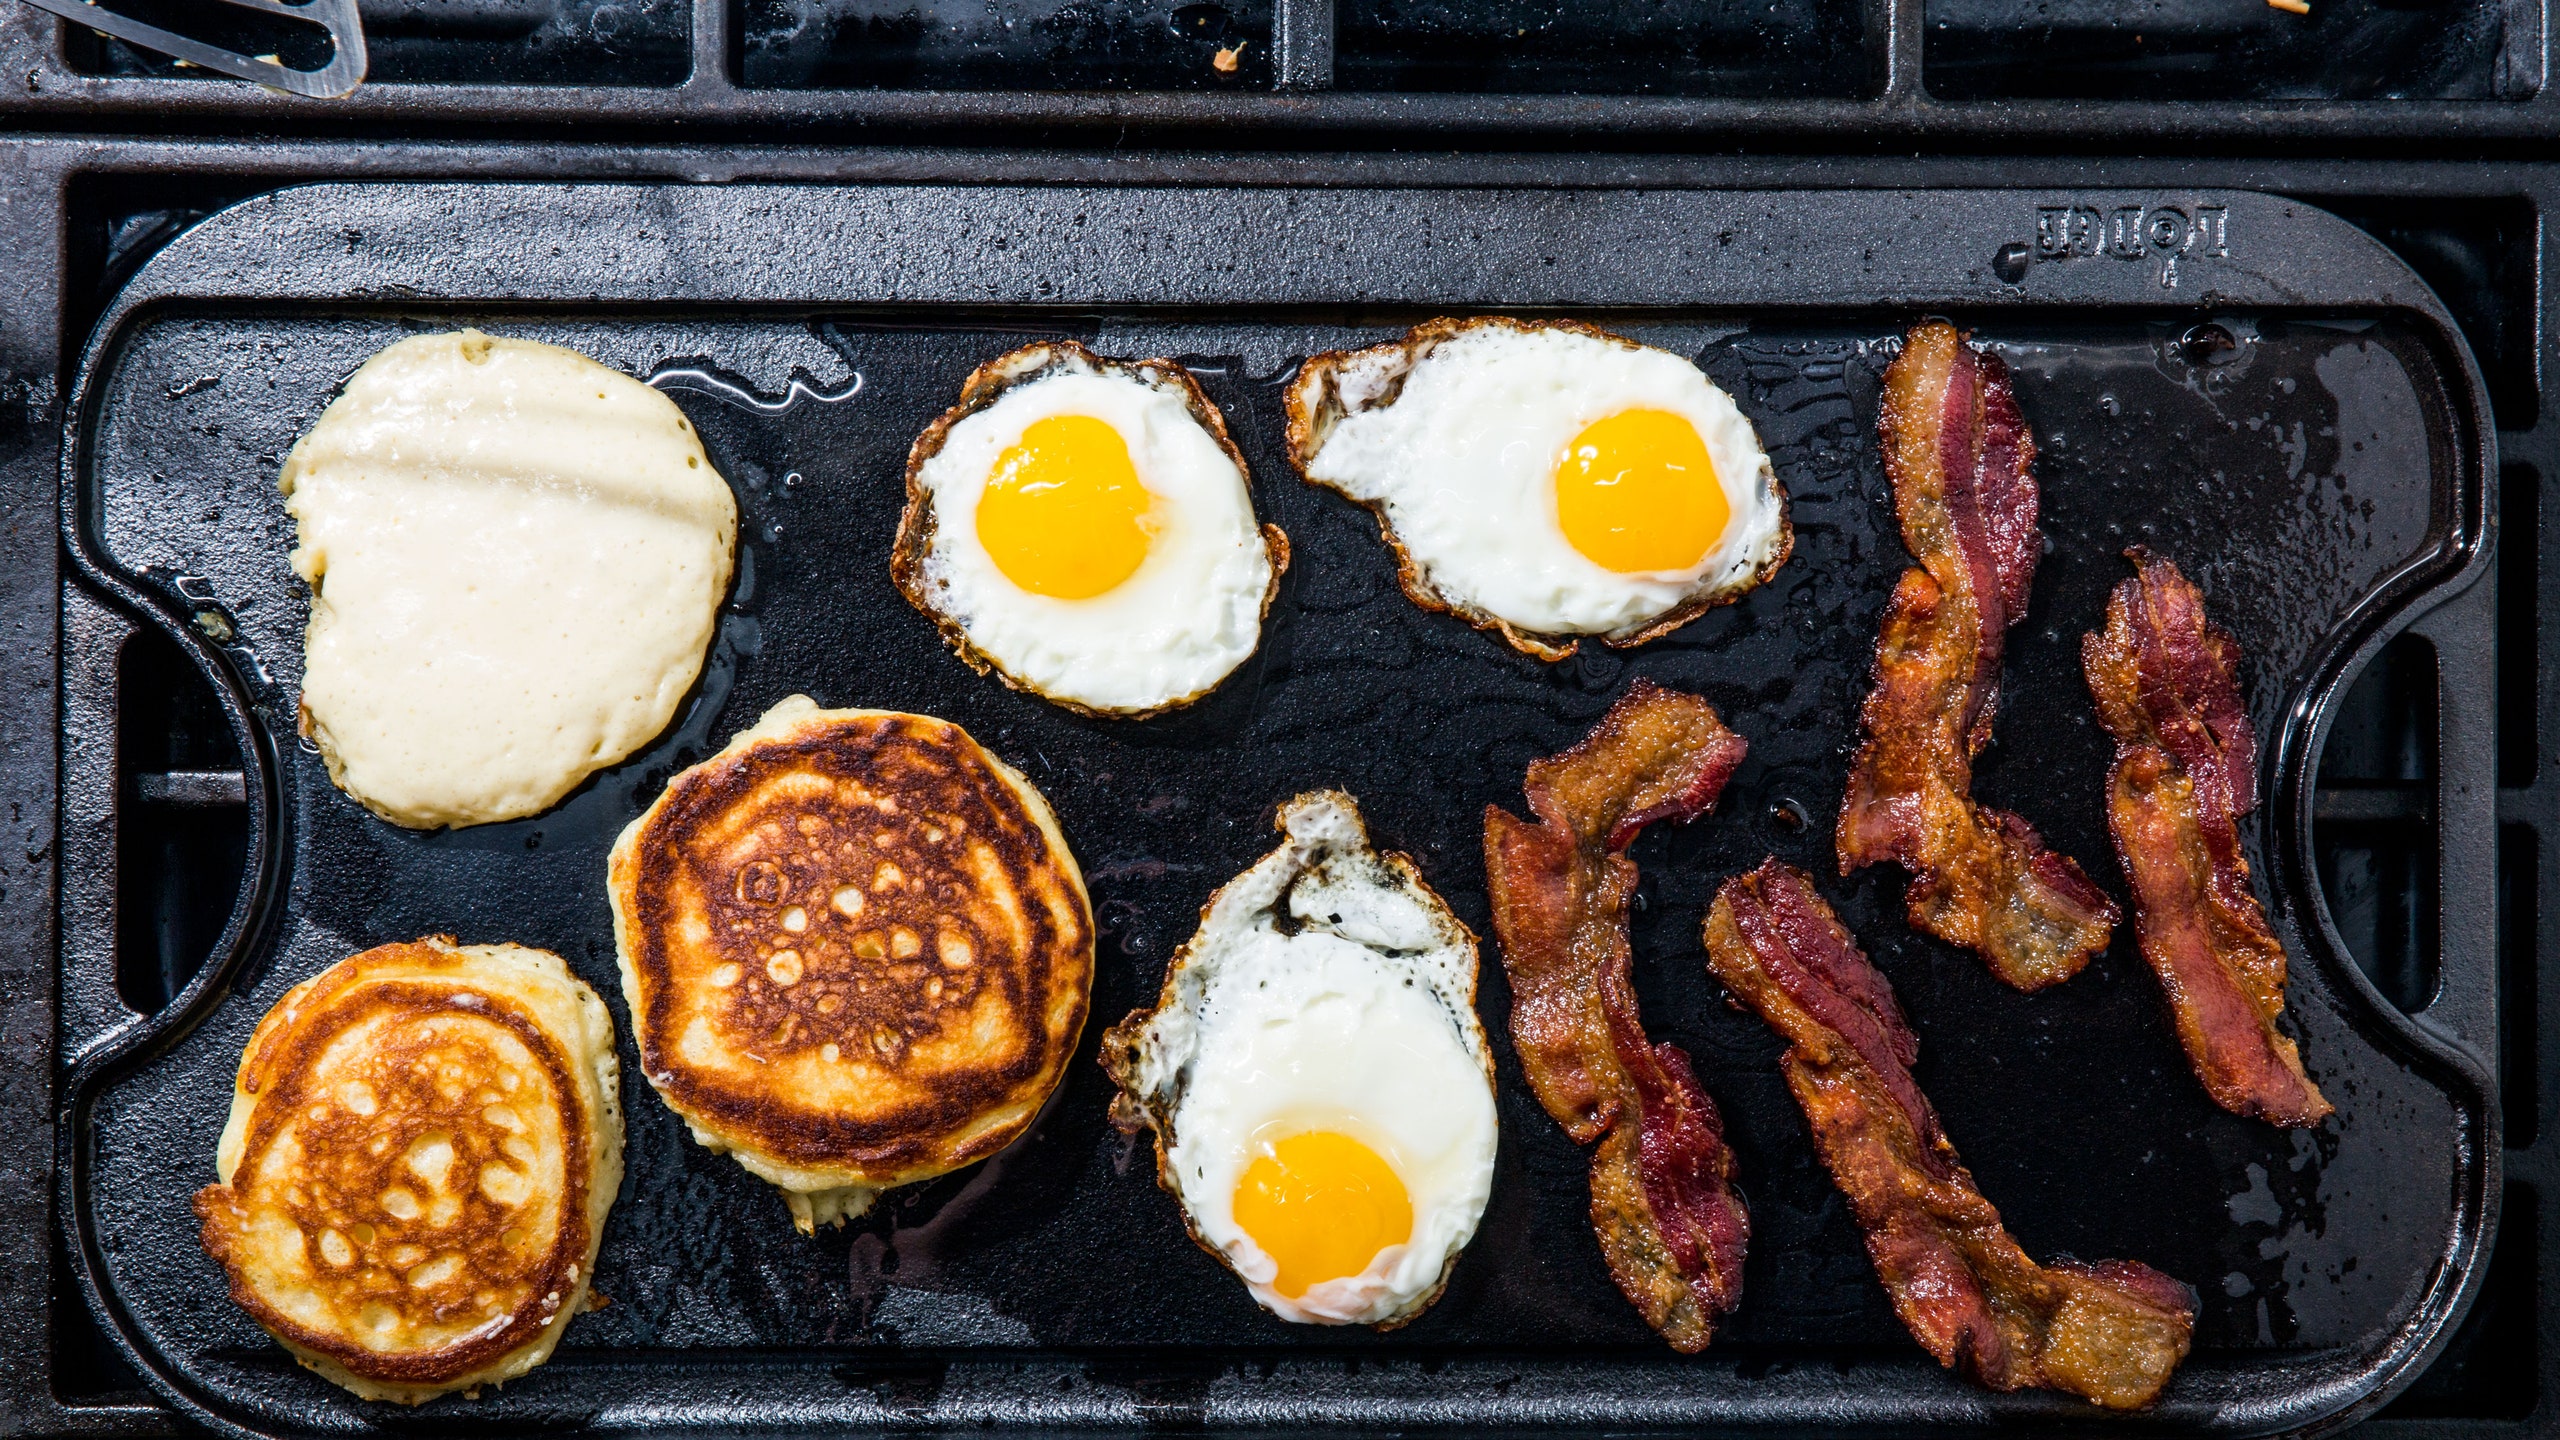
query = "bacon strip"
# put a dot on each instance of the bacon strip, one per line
(1959, 454)
(2110, 1332)
(1662, 1199)
(2167, 686)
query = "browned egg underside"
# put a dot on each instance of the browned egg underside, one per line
(411, 1197)
(856, 948)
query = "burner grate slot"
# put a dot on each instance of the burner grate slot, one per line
(2519, 910)
(1608, 47)
(1006, 44)
(2228, 50)
(2480, 258)
(183, 835)
(2519, 626)
(2374, 822)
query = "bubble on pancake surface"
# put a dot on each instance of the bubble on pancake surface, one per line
(856, 950)
(865, 976)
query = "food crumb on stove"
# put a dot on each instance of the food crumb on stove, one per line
(2293, 7)
(1224, 62)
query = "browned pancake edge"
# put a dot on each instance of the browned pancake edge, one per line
(826, 898)
(433, 1056)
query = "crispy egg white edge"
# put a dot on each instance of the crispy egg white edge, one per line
(1527, 393)
(573, 1013)
(1148, 641)
(1424, 941)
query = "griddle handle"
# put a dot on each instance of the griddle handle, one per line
(2464, 1010)
(103, 793)
(95, 635)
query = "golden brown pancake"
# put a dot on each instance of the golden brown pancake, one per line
(856, 949)
(424, 1141)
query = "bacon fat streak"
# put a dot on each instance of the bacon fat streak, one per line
(1958, 453)
(2167, 686)
(1662, 1199)
(2110, 1332)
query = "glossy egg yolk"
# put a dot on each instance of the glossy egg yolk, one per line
(1323, 1205)
(1637, 491)
(1063, 513)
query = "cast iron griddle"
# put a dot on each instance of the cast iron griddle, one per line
(2324, 479)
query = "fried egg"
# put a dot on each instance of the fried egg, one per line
(1545, 480)
(1084, 527)
(1317, 1080)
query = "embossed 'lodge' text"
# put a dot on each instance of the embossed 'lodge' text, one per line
(2165, 234)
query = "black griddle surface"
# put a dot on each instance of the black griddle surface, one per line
(2074, 1108)
(2322, 459)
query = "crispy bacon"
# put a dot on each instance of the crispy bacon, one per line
(1959, 454)
(2168, 689)
(1560, 887)
(1662, 1197)
(2110, 1332)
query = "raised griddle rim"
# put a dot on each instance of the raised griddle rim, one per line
(284, 249)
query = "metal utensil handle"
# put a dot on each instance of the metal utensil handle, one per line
(344, 72)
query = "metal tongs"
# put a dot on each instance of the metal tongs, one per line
(344, 72)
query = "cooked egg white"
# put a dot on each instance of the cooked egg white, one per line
(1320, 1086)
(1084, 527)
(1546, 480)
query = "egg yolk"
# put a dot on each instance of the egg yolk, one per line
(1637, 491)
(1063, 513)
(1323, 1205)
